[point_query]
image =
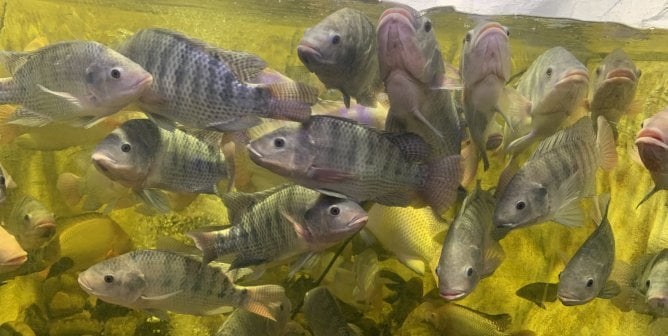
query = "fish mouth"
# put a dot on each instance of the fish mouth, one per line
(16, 261)
(309, 55)
(578, 75)
(254, 154)
(144, 82)
(505, 225)
(396, 14)
(490, 29)
(568, 300)
(103, 162)
(651, 136)
(621, 74)
(452, 294)
(46, 224)
(358, 221)
(84, 284)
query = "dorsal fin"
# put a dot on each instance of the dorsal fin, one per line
(237, 203)
(582, 130)
(413, 147)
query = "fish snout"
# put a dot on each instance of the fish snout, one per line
(622, 73)
(659, 302)
(452, 294)
(577, 75)
(17, 260)
(308, 55)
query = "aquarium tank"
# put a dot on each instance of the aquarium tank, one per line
(342, 167)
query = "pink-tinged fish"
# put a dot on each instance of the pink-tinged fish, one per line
(652, 142)
(12, 256)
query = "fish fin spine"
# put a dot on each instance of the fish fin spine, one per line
(205, 242)
(290, 100)
(264, 300)
(605, 142)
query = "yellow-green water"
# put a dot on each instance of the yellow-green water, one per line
(271, 30)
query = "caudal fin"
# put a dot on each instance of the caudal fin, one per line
(68, 185)
(440, 187)
(291, 100)
(268, 301)
(205, 242)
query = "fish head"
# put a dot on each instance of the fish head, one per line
(333, 46)
(522, 203)
(12, 255)
(458, 271)
(486, 52)
(114, 80)
(578, 284)
(126, 155)
(34, 225)
(286, 151)
(655, 284)
(332, 220)
(618, 68)
(406, 41)
(117, 280)
(652, 142)
(555, 78)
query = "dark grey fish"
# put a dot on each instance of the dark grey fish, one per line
(156, 281)
(586, 274)
(78, 82)
(342, 157)
(244, 323)
(324, 315)
(204, 87)
(341, 51)
(538, 293)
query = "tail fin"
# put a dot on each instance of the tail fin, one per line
(291, 100)
(68, 185)
(440, 187)
(205, 242)
(268, 301)
(605, 142)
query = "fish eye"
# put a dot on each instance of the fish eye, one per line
(559, 276)
(336, 39)
(438, 268)
(126, 147)
(2, 180)
(469, 271)
(639, 73)
(108, 279)
(334, 211)
(115, 73)
(520, 205)
(647, 283)
(507, 32)
(26, 217)
(427, 26)
(467, 38)
(590, 282)
(279, 142)
(549, 72)
(598, 71)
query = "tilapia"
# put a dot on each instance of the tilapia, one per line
(204, 87)
(408, 233)
(6, 182)
(653, 283)
(414, 74)
(485, 69)
(244, 323)
(157, 281)
(558, 174)
(324, 316)
(470, 251)
(341, 50)
(586, 274)
(614, 87)
(652, 142)
(78, 82)
(274, 225)
(145, 157)
(12, 255)
(342, 157)
(557, 84)
(31, 222)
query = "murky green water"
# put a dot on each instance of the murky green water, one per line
(271, 29)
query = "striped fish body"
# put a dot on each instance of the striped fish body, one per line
(205, 87)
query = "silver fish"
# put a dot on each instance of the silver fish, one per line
(143, 156)
(78, 82)
(652, 143)
(341, 51)
(586, 274)
(204, 87)
(614, 87)
(31, 222)
(276, 224)
(653, 283)
(485, 69)
(323, 314)
(244, 323)
(156, 281)
(470, 251)
(414, 74)
(559, 173)
(6, 182)
(556, 83)
(343, 157)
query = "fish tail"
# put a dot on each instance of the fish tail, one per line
(205, 242)
(266, 301)
(649, 194)
(440, 187)
(68, 185)
(291, 100)
(605, 142)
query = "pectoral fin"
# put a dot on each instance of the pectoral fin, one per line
(610, 290)
(64, 95)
